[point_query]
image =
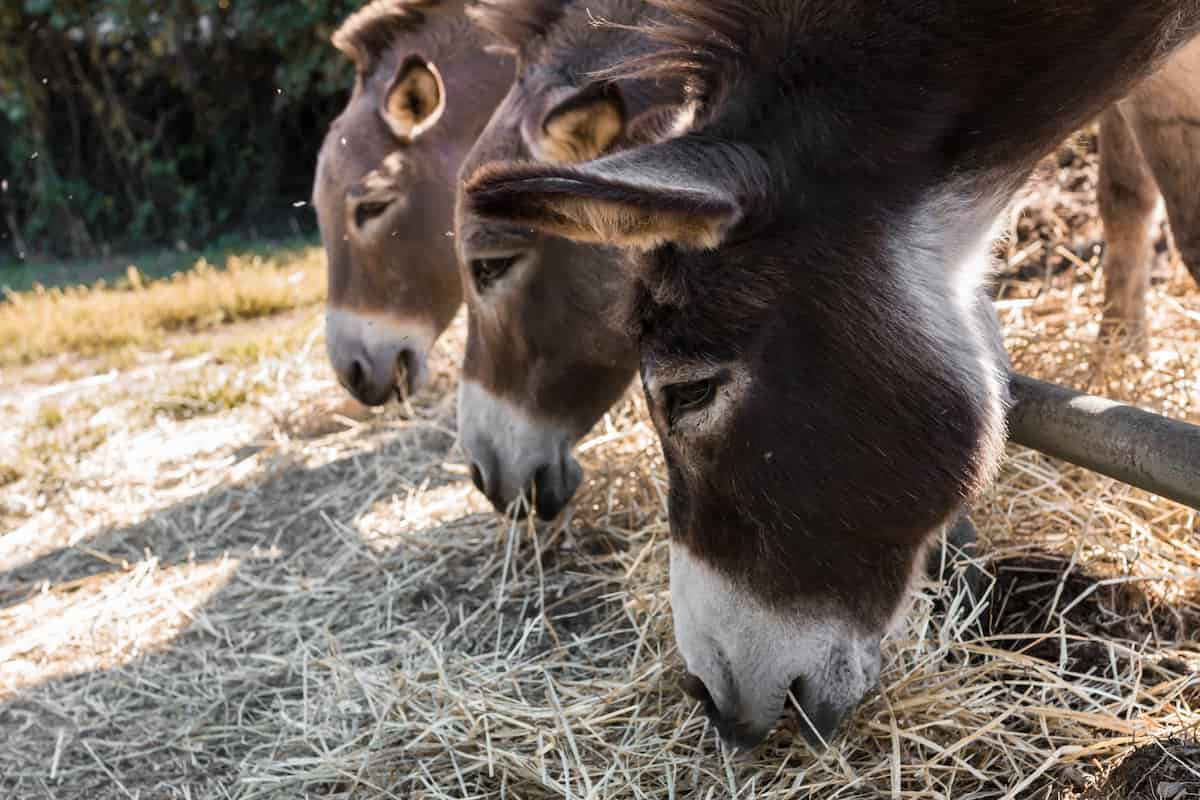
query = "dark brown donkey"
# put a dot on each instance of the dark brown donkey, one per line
(546, 356)
(815, 347)
(385, 180)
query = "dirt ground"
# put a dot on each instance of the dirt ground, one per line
(222, 579)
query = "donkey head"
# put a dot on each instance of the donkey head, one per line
(815, 348)
(546, 356)
(384, 188)
(827, 392)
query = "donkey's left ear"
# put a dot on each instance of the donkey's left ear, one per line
(683, 193)
(415, 98)
(583, 126)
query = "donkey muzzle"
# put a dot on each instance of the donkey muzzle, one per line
(518, 462)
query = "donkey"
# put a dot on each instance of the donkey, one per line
(807, 256)
(545, 355)
(1149, 142)
(384, 188)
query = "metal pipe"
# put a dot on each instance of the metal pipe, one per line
(1145, 450)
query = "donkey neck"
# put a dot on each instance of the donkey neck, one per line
(942, 87)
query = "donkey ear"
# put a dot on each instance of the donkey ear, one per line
(643, 198)
(415, 98)
(583, 126)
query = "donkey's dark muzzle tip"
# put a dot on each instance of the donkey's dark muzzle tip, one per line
(820, 720)
(734, 735)
(518, 510)
(374, 379)
(554, 488)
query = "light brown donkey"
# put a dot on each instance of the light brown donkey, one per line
(384, 189)
(546, 354)
(1149, 142)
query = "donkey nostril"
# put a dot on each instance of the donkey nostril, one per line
(694, 688)
(406, 372)
(477, 478)
(357, 374)
(539, 482)
(795, 692)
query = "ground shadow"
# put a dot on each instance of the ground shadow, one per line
(309, 598)
(1045, 605)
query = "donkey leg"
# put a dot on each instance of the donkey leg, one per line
(1127, 195)
(952, 558)
(1169, 137)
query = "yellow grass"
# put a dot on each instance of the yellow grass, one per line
(95, 320)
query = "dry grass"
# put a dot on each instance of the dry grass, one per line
(296, 597)
(86, 321)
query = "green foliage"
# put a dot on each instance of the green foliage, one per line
(131, 122)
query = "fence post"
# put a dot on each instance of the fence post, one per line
(1145, 450)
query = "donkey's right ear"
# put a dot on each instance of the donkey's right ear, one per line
(415, 99)
(689, 196)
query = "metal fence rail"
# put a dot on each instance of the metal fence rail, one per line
(1145, 450)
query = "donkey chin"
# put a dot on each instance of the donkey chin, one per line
(518, 462)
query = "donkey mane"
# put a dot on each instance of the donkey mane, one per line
(517, 23)
(713, 44)
(368, 33)
(705, 42)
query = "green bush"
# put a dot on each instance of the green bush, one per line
(131, 122)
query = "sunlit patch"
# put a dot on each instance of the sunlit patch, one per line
(166, 463)
(389, 524)
(103, 621)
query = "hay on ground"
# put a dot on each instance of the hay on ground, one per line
(296, 597)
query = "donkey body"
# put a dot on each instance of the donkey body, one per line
(1149, 143)
(384, 189)
(546, 355)
(807, 257)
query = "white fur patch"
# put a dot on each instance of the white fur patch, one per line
(506, 439)
(748, 655)
(955, 233)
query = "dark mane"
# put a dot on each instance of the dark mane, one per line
(517, 23)
(706, 42)
(367, 33)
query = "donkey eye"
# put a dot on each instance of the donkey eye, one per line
(365, 212)
(487, 271)
(684, 398)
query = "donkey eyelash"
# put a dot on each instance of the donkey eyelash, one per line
(486, 271)
(365, 212)
(685, 398)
